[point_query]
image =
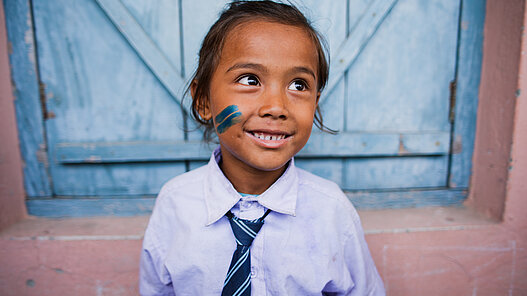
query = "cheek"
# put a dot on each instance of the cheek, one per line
(228, 117)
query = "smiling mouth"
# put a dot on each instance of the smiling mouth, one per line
(269, 137)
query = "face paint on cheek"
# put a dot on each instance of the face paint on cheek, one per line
(227, 118)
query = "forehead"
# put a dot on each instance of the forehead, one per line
(262, 39)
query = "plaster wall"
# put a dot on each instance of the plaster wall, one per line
(437, 251)
(12, 208)
(497, 97)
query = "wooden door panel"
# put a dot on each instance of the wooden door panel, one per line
(114, 179)
(98, 90)
(395, 172)
(161, 21)
(114, 72)
(400, 81)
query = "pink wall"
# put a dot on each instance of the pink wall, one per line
(497, 98)
(12, 206)
(479, 259)
(439, 251)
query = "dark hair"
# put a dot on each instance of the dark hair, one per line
(236, 13)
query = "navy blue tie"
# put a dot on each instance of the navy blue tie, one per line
(238, 279)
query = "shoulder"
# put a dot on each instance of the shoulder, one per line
(184, 181)
(323, 194)
(326, 201)
(181, 192)
(321, 187)
(178, 195)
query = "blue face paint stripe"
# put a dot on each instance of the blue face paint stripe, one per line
(229, 121)
(225, 113)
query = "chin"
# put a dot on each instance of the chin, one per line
(269, 167)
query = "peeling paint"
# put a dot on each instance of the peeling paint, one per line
(93, 159)
(50, 115)
(30, 283)
(42, 155)
(457, 146)
(29, 40)
(402, 149)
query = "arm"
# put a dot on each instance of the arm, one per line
(154, 278)
(360, 263)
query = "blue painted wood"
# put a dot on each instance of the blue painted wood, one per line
(400, 82)
(363, 30)
(395, 172)
(160, 20)
(167, 73)
(115, 178)
(134, 206)
(27, 102)
(100, 93)
(99, 90)
(319, 145)
(407, 199)
(470, 54)
(63, 208)
(108, 152)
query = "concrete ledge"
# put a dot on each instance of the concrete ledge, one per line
(422, 219)
(92, 228)
(100, 255)
(132, 228)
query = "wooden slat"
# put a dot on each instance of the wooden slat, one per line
(131, 152)
(370, 144)
(89, 207)
(407, 199)
(134, 206)
(156, 60)
(26, 90)
(468, 79)
(320, 145)
(357, 40)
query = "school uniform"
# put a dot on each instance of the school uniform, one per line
(311, 243)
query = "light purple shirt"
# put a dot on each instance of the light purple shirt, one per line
(312, 242)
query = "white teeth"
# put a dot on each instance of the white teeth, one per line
(262, 136)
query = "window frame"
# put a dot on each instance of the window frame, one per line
(38, 184)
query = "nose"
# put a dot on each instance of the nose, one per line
(274, 104)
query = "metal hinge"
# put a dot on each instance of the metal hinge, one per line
(452, 112)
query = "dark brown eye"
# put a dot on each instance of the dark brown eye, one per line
(298, 85)
(249, 80)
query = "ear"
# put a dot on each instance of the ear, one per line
(318, 98)
(202, 104)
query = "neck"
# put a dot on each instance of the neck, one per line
(249, 180)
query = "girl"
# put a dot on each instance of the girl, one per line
(250, 222)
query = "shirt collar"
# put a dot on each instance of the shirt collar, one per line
(220, 195)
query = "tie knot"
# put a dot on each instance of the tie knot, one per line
(245, 230)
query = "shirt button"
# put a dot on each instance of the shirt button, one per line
(253, 272)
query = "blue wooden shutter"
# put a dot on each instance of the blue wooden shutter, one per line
(113, 73)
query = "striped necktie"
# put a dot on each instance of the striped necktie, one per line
(238, 279)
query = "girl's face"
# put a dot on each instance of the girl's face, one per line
(263, 95)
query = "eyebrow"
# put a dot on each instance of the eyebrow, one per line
(260, 67)
(247, 66)
(304, 70)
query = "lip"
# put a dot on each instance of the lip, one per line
(273, 144)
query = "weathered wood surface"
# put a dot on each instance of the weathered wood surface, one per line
(113, 73)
